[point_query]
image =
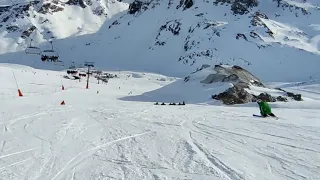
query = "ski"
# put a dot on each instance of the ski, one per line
(255, 115)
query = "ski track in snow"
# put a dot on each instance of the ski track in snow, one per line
(80, 157)
(97, 136)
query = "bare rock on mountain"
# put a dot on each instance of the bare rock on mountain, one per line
(25, 34)
(242, 81)
(235, 74)
(99, 11)
(186, 4)
(137, 6)
(239, 6)
(234, 95)
(265, 97)
(12, 28)
(238, 95)
(281, 98)
(256, 19)
(77, 2)
(50, 8)
(296, 97)
(293, 96)
(292, 7)
(11, 13)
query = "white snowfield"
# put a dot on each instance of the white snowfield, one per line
(95, 135)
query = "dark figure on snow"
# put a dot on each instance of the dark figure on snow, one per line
(183, 103)
(44, 58)
(265, 109)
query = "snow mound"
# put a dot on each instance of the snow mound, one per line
(178, 91)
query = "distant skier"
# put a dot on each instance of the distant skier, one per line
(265, 109)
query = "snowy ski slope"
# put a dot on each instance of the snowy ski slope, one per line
(99, 136)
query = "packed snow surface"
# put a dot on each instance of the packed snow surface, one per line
(97, 135)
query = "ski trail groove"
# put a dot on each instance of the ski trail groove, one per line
(74, 174)
(259, 139)
(12, 121)
(16, 163)
(18, 152)
(27, 124)
(85, 154)
(3, 144)
(232, 174)
(220, 168)
(20, 162)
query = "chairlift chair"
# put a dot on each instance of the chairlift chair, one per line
(32, 50)
(51, 55)
(89, 64)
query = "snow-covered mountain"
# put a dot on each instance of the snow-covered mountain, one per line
(275, 40)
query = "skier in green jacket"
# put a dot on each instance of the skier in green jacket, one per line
(265, 109)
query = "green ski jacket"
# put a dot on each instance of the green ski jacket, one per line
(264, 108)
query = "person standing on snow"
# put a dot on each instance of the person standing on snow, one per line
(265, 109)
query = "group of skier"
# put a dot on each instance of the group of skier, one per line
(265, 109)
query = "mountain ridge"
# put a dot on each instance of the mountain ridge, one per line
(177, 38)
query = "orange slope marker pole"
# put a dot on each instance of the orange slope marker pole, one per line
(19, 92)
(62, 87)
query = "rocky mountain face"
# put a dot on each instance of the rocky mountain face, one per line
(242, 82)
(171, 37)
(35, 12)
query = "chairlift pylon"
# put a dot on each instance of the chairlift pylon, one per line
(32, 49)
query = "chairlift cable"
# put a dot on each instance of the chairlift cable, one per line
(32, 23)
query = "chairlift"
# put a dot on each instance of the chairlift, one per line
(50, 55)
(89, 64)
(32, 49)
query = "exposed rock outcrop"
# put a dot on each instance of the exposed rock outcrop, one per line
(77, 2)
(264, 97)
(234, 74)
(234, 95)
(28, 32)
(239, 6)
(50, 8)
(242, 80)
(186, 4)
(283, 99)
(296, 97)
(238, 95)
(137, 6)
